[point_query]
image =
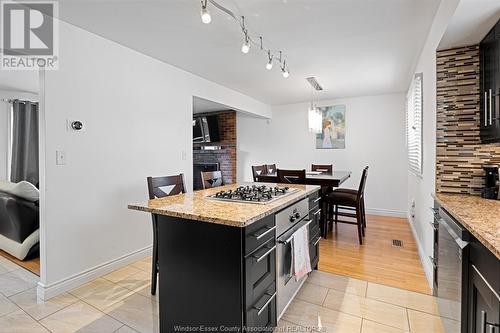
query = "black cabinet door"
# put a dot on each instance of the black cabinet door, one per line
(484, 304)
(260, 273)
(488, 50)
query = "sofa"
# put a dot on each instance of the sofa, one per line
(19, 219)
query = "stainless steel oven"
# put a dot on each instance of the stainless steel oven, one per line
(288, 222)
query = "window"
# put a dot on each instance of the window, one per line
(414, 124)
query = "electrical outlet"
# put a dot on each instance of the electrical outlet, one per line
(183, 155)
(413, 208)
(60, 157)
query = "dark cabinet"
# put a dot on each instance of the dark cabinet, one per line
(483, 289)
(469, 275)
(314, 229)
(223, 276)
(489, 52)
(260, 285)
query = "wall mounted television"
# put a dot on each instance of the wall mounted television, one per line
(206, 129)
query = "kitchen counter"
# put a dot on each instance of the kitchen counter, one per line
(196, 206)
(480, 216)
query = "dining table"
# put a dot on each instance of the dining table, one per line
(327, 181)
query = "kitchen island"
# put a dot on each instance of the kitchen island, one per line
(226, 266)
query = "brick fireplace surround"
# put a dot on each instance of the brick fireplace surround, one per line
(226, 155)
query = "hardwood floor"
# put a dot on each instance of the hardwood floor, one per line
(32, 265)
(377, 260)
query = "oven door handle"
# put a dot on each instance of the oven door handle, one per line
(461, 243)
(288, 240)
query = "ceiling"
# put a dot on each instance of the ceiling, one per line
(470, 23)
(353, 47)
(201, 105)
(19, 81)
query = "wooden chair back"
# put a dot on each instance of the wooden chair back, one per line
(291, 176)
(271, 168)
(258, 170)
(159, 187)
(362, 183)
(324, 168)
(211, 179)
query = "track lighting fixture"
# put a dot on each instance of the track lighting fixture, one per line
(246, 46)
(205, 14)
(273, 55)
(284, 70)
(269, 64)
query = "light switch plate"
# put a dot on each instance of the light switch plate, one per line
(60, 157)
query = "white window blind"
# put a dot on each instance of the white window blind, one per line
(414, 125)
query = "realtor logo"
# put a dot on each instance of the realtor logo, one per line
(29, 35)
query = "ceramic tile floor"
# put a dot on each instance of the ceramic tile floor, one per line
(121, 302)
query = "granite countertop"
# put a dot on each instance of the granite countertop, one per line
(195, 206)
(480, 216)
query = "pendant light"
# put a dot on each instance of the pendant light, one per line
(314, 114)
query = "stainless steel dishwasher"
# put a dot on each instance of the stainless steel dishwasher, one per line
(453, 241)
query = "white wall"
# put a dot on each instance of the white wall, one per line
(375, 136)
(137, 114)
(420, 188)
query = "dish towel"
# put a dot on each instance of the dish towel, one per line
(301, 259)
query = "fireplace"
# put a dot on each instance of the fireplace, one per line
(221, 155)
(202, 167)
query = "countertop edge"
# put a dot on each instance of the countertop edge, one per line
(477, 234)
(228, 222)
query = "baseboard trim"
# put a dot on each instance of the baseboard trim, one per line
(426, 264)
(386, 212)
(46, 292)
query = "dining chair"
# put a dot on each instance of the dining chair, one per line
(258, 170)
(291, 176)
(160, 187)
(348, 200)
(325, 168)
(211, 179)
(270, 168)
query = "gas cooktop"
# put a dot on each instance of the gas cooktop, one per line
(258, 194)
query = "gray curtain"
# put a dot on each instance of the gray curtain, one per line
(24, 142)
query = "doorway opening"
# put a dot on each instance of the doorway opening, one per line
(20, 177)
(214, 141)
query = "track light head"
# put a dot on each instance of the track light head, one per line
(205, 14)
(284, 70)
(246, 45)
(269, 64)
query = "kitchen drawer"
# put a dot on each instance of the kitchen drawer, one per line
(314, 200)
(487, 263)
(314, 216)
(259, 233)
(314, 250)
(260, 272)
(313, 235)
(484, 304)
(261, 316)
